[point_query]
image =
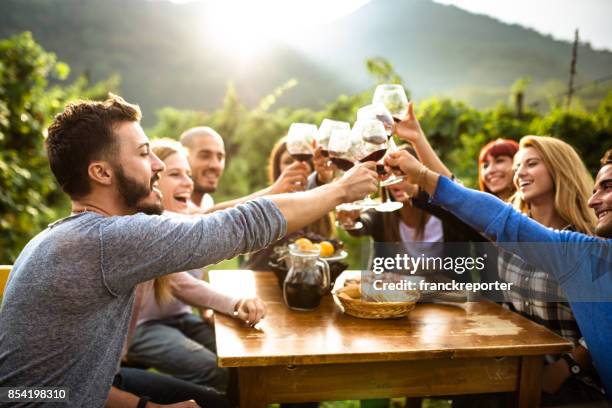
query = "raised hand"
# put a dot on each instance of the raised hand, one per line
(406, 163)
(359, 181)
(409, 129)
(293, 178)
(323, 166)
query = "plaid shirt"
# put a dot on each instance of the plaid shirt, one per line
(536, 295)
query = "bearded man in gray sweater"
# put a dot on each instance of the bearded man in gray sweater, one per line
(67, 304)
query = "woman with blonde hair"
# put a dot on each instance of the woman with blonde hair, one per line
(553, 187)
(560, 198)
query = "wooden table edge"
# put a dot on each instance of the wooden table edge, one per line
(501, 352)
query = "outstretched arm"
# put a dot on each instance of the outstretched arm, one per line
(294, 178)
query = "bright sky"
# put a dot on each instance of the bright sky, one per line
(556, 17)
(247, 26)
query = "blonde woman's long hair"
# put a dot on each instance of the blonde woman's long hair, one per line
(572, 182)
(164, 148)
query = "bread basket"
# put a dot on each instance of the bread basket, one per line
(352, 304)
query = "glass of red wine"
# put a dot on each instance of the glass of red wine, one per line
(325, 131)
(394, 98)
(339, 146)
(380, 112)
(300, 141)
(373, 147)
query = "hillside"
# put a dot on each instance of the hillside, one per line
(166, 57)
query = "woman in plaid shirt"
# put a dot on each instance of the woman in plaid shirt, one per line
(553, 187)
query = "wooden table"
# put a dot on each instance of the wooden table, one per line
(325, 355)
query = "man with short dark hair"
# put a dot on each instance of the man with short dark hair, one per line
(69, 298)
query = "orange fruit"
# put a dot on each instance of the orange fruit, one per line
(327, 249)
(304, 244)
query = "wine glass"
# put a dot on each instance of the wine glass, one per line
(324, 133)
(339, 148)
(392, 179)
(373, 146)
(300, 141)
(347, 215)
(377, 111)
(394, 98)
(388, 205)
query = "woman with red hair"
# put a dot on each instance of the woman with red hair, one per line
(495, 168)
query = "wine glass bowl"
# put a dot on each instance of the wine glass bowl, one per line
(300, 140)
(373, 137)
(380, 112)
(324, 133)
(339, 147)
(394, 98)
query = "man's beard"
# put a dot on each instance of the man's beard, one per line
(203, 190)
(133, 193)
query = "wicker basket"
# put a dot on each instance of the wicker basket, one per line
(375, 310)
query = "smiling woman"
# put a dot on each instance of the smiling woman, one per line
(175, 181)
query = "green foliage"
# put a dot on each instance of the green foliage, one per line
(27, 190)
(382, 71)
(29, 196)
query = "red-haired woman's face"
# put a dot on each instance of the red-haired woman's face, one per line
(496, 173)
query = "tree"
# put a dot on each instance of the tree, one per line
(29, 196)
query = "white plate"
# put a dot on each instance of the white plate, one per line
(358, 225)
(343, 254)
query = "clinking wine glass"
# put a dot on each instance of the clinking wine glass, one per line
(324, 133)
(389, 205)
(300, 141)
(392, 179)
(339, 147)
(373, 147)
(378, 111)
(394, 98)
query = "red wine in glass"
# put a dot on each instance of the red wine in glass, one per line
(303, 157)
(380, 169)
(342, 164)
(374, 156)
(375, 139)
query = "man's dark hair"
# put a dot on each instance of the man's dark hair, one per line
(83, 132)
(607, 158)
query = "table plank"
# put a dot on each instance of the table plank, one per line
(388, 379)
(326, 335)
